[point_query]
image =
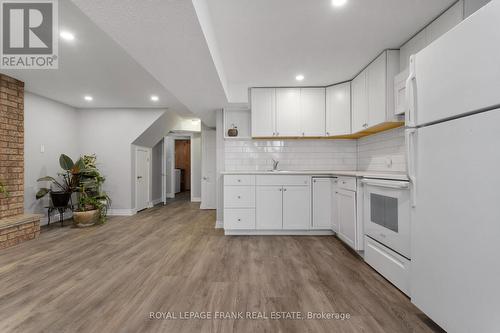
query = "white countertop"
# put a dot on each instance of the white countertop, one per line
(365, 174)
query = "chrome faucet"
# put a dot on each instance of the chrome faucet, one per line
(275, 165)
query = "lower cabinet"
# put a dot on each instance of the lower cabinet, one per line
(283, 207)
(269, 207)
(346, 208)
(239, 218)
(322, 203)
(296, 207)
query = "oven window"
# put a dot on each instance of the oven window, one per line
(384, 211)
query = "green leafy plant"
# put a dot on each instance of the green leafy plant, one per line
(91, 195)
(67, 181)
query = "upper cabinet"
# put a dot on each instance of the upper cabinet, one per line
(312, 111)
(359, 102)
(288, 112)
(373, 92)
(338, 109)
(263, 103)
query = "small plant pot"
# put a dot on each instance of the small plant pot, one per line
(85, 219)
(60, 199)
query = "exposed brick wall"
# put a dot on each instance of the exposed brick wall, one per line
(13, 235)
(12, 145)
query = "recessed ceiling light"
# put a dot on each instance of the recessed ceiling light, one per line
(155, 98)
(338, 3)
(88, 98)
(66, 35)
(299, 77)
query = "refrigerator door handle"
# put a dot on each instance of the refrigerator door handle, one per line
(410, 94)
(410, 159)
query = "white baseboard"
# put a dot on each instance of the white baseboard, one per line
(219, 224)
(279, 232)
(170, 195)
(121, 212)
(54, 218)
(195, 199)
(157, 201)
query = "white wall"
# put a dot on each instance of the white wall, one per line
(156, 177)
(109, 134)
(55, 126)
(196, 167)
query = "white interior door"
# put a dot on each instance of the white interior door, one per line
(208, 178)
(142, 178)
(164, 171)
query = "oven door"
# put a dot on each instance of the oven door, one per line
(387, 213)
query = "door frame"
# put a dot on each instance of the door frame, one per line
(150, 171)
(180, 135)
(203, 163)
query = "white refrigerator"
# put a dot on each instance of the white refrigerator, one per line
(453, 143)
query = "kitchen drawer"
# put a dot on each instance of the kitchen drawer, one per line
(389, 264)
(283, 180)
(239, 196)
(347, 183)
(242, 218)
(239, 180)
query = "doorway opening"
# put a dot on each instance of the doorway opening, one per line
(182, 168)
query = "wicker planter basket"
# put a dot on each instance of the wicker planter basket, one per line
(85, 219)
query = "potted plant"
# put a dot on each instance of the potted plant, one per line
(93, 202)
(66, 183)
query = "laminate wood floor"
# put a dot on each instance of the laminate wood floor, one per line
(171, 259)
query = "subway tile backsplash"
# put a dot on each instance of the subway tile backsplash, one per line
(380, 152)
(292, 154)
(383, 151)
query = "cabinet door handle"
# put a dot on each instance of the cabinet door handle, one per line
(365, 125)
(284, 189)
(239, 220)
(328, 133)
(280, 190)
(277, 133)
(239, 197)
(239, 180)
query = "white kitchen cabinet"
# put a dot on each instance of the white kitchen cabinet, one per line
(333, 204)
(338, 109)
(377, 85)
(269, 207)
(296, 207)
(359, 103)
(312, 111)
(288, 112)
(322, 200)
(373, 92)
(263, 105)
(346, 210)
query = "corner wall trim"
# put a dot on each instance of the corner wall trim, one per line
(219, 224)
